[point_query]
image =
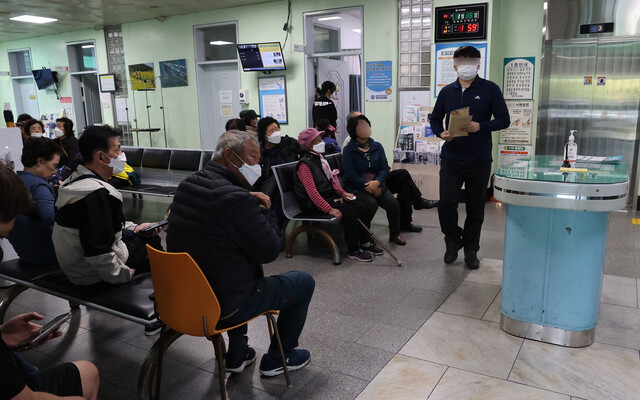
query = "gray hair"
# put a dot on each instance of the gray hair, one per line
(234, 140)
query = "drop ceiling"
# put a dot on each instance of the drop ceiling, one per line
(75, 15)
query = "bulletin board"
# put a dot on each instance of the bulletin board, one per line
(272, 92)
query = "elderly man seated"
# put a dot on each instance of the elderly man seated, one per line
(230, 232)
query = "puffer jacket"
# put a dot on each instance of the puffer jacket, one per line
(222, 226)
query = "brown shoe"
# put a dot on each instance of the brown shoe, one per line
(398, 240)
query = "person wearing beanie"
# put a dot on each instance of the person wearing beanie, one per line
(317, 188)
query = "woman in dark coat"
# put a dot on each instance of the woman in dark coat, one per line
(69, 143)
(275, 149)
(323, 106)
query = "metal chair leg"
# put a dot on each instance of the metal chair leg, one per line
(272, 321)
(335, 252)
(151, 367)
(218, 344)
(6, 300)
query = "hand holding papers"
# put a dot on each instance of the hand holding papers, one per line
(458, 119)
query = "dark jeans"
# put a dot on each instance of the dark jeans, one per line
(354, 232)
(290, 293)
(399, 181)
(475, 176)
(391, 206)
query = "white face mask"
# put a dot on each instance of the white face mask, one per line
(274, 138)
(467, 72)
(318, 148)
(118, 163)
(37, 134)
(250, 172)
(58, 132)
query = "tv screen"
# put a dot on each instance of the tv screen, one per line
(44, 78)
(261, 57)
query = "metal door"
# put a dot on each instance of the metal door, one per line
(337, 71)
(26, 97)
(219, 101)
(592, 85)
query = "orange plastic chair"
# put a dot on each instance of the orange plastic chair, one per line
(187, 305)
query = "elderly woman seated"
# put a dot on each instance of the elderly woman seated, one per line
(317, 188)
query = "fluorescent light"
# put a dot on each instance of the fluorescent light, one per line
(357, 30)
(544, 6)
(88, 46)
(329, 18)
(33, 19)
(220, 42)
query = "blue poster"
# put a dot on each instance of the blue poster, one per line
(378, 80)
(445, 74)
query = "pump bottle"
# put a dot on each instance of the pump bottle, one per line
(572, 147)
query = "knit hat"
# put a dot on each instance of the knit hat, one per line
(307, 137)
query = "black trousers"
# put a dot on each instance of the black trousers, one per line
(354, 232)
(136, 244)
(475, 176)
(390, 205)
(399, 181)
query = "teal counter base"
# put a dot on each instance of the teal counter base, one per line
(552, 273)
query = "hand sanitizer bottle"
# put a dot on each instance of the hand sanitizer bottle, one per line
(572, 148)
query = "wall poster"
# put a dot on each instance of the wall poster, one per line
(445, 74)
(272, 92)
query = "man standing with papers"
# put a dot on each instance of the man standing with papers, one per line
(466, 155)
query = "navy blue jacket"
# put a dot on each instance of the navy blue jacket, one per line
(355, 164)
(31, 234)
(483, 98)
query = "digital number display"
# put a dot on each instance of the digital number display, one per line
(461, 22)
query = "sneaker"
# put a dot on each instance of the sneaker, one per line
(373, 249)
(238, 365)
(361, 255)
(154, 328)
(271, 365)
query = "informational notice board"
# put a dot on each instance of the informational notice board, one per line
(272, 92)
(518, 78)
(521, 115)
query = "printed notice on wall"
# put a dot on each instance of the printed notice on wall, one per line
(518, 78)
(521, 115)
(445, 73)
(272, 94)
(378, 80)
(508, 154)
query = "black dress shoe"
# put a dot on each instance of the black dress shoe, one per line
(451, 253)
(398, 240)
(411, 228)
(424, 204)
(471, 259)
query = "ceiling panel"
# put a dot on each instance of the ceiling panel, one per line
(75, 15)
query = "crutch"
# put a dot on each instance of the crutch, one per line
(380, 243)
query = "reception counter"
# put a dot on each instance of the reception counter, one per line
(554, 246)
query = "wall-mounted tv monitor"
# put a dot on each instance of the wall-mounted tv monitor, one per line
(45, 78)
(261, 57)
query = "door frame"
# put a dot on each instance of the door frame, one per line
(15, 82)
(310, 56)
(203, 116)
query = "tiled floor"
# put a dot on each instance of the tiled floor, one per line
(376, 331)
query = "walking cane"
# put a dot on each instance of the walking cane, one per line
(380, 243)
